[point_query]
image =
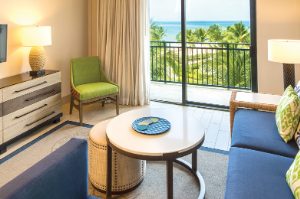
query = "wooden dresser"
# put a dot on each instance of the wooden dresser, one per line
(27, 104)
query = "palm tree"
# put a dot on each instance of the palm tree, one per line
(157, 33)
(238, 33)
(215, 33)
(190, 37)
(200, 34)
(196, 35)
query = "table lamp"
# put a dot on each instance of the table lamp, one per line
(286, 52)
(37, 37)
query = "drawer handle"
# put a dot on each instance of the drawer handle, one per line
(40, 119)
(40, 95)
(24, 89)
(20, 116)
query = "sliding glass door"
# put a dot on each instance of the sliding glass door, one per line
(201, 50)
(218, 45)
(165, 51)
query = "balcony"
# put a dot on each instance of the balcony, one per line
(212, 70)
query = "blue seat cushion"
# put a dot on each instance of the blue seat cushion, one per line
(92, 197)
(257, 130)
(264, 179)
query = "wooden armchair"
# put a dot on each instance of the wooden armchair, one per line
(89, 84)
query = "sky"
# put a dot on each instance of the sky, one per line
(201, 10)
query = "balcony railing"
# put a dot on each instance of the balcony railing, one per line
(225, 65)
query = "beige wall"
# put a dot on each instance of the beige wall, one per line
(68, 19)
(276, 19)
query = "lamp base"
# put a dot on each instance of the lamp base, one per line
(38, 73)
(37, 58)
(289, 75)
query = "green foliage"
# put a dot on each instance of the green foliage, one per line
(238, 33)
(215, 33)
(219, 64)
(157, 32)
(201, 35)
(196, 35)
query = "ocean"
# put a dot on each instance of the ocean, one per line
(173, 28)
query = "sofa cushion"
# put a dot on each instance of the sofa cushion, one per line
(255, 174)
(257, 130)
(297, 89)
(297, 136)
(288, 114)
(85, 70)
(293, 177)
(92, 90)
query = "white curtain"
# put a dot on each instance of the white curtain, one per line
(119, 35)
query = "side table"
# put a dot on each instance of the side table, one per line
(256, 101)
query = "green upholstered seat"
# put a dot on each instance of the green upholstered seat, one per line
(89, 80)
(86, 70)
(93, 90)
(89, 84)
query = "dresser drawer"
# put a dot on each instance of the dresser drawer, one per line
(23, 101)
(1, 96)
(30, 86)
(1, 137)
(1, 125)
(30, 123)
(29, 111)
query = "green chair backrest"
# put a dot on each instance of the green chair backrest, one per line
(86, 70)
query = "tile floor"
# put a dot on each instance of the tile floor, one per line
(203, 94)
(215, 123)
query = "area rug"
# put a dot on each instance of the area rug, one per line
(212, 165)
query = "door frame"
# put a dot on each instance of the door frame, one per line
(253, 52)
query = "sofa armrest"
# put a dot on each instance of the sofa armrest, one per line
(62, 174)
(262, 102)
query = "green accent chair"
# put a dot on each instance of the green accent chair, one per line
(89, 84)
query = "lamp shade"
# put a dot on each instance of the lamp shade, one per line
(284, 51)
(37, 36)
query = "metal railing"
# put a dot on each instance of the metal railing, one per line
(226, 65)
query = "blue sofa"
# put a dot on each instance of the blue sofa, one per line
(61, 175)
(258, 158)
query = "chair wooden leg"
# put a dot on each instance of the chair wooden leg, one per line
(80, 112)
(103, 103)
(71, 104)
(117, 104)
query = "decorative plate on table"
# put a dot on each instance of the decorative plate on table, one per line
(151, 125)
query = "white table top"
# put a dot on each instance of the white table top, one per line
(185, 132)
(258, 98)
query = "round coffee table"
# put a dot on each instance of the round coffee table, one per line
(184, 137)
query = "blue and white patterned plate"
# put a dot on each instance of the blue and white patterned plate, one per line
(162, 126)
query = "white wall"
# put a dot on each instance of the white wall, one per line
(68, 19)
(276, 19)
